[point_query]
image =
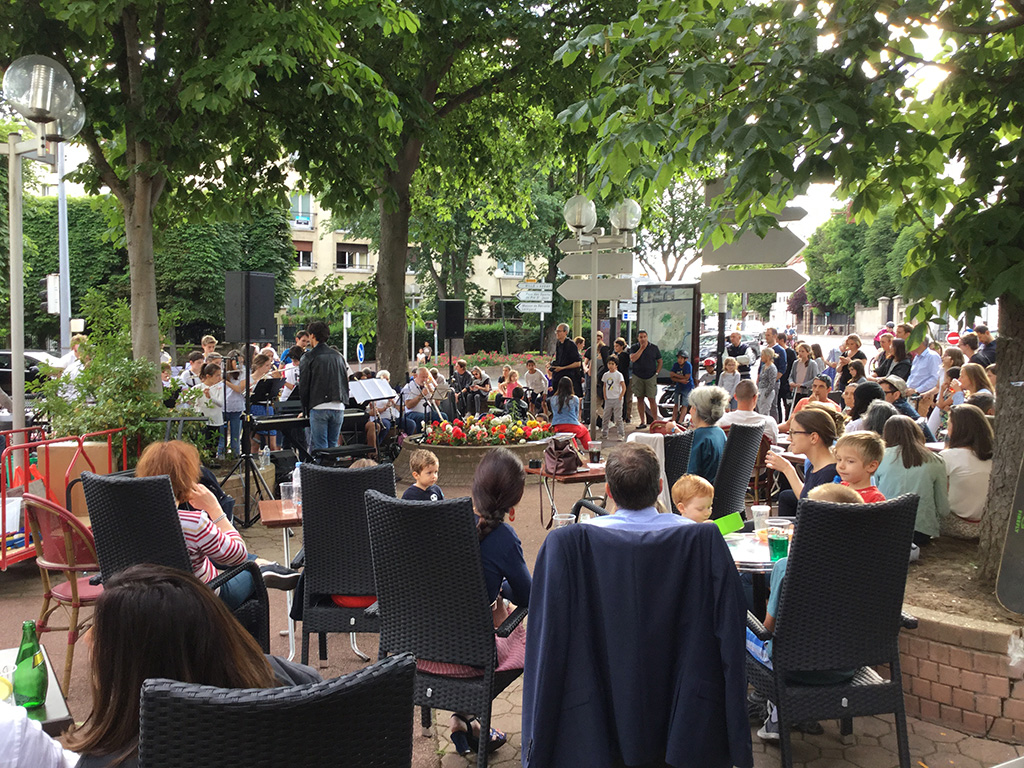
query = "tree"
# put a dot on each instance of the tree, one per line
(469, 76)
(789, 93)
(672, 229)
(180, 97)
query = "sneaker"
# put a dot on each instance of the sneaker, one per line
(769, 731)
(915, 553)
(276, 576)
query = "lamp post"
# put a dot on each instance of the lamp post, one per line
(580, 215)
(42, 91)
(500, 274)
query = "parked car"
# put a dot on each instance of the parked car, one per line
(33, 359)
(709, 344)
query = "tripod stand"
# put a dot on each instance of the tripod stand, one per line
(247, 462)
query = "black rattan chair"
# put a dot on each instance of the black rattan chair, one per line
(840, 608)
(416, 546)
(734, 470)
(135, 520)
(363, 719)
(677, 455)
(337, 550)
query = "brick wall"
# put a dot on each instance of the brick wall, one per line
(956, 673)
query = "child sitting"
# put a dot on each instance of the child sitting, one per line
(858, 455)
(692, 497)
(424, 467)
(518, 408)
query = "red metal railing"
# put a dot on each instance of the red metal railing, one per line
(17, 470)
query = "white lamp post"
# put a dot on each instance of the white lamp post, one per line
(581, 217)
(500, 274)
(43, 92)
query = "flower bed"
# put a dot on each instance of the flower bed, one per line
(486, 430)
(458, 462)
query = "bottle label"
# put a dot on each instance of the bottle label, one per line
(37, 659)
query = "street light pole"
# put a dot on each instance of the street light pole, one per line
(500, 273)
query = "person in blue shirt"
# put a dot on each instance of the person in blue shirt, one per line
(707, 406)
(682, 376)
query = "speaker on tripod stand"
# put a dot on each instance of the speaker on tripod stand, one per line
(451, 324)
(248, 314)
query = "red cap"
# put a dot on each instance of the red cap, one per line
(709, 361)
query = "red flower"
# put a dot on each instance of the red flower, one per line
(435, 423)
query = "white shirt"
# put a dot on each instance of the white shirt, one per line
(411, 391)
(536, 381)
(615, 385)
(26, 746)
(968, 482)
(752, 418)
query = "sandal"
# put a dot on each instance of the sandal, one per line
(495, 742)
(460, 739)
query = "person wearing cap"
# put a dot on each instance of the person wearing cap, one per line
(887, 328)
(895, 390)
(682, 377)
(708, 377)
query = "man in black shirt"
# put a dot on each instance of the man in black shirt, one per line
(461, 381)
(567, 361)
(645, 364)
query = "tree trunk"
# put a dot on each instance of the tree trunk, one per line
(392, 333)
(1009, 436)
(138, 227)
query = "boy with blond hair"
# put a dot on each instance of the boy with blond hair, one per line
(858, 455)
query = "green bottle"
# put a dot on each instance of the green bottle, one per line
(30, 677)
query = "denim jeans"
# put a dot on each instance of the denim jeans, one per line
(324, 428)
(233, 425)
(412, 422)
(234, 591)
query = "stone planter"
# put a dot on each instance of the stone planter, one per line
(458, 462)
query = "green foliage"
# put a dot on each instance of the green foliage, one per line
(112, 390)
(330, 298)
(672, 228)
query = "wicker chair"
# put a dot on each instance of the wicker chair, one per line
(362, 719)
(840, 608)
(737, 463)
(677, 455)
(416, 546)
(64, 545)
(135, 520)
(337, 550)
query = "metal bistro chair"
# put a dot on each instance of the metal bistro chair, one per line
(363, 719)
(337, 550)
(840, 609)
(417, 545)
(64, 545)
(762, 478)
(677, 455)
(135, 520)
(733, 474)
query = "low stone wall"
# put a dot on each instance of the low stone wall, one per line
(956, 672)
(458, 462)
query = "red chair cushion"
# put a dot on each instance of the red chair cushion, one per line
(87, 593)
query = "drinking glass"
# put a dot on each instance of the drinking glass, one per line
(562, 519)
(288, 497)
(780, 531)
(595, 451)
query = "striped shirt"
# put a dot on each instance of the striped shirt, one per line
(207, 543)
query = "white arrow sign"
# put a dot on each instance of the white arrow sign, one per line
(627, 306)
(535, 286)
(543, 308)
(607, 264)
(534, 296)
(601, 241)
(608, 289)
(777, 247)
(782, 280)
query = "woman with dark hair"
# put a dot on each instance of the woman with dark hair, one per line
(816, 428)
(863, 396)
(909, 467)
(900, 360)
(707, 406)
(968, 460)
(498, 485)
(856, 371)
(565, 412)
(157, 622)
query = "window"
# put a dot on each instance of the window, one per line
(351, 256)
(303, 254)
(412, 257)
(301, 211)
(515, 269)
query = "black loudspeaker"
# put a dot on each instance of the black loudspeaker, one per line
(249, 306)
(451, 318)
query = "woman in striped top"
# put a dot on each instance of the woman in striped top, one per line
(209, 536)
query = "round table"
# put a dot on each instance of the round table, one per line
(752, 556)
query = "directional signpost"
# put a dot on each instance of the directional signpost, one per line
(608, 289)
(782, 280)
(535, 298)
(527, 307)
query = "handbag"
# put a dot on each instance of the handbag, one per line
(562, 456)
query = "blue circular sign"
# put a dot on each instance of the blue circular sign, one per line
(360, 352)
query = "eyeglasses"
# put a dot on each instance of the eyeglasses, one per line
(799, 432)
(888, 391)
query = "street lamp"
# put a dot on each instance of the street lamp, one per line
(43, 92)
(580, 216)
(500, 273)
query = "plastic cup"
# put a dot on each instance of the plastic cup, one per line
(761, 513)
(562, 519)
(595, 451)
(780, 531)
(287, 497)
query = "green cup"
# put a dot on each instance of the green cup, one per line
(778, 544)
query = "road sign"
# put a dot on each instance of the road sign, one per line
(540, 307)
(607, 263)
(601, 242)
(627, 306)
(628, 316)
(360, 352)
(783, 279)
(535, 286)
(777, 247)
(534, 296)
(952, 338)
(608, 289)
